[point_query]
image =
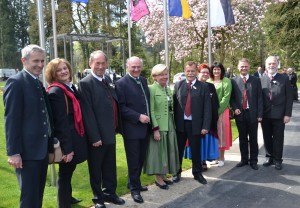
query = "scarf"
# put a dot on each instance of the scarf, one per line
(76, 106)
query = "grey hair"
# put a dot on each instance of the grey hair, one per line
(131, 58)
(31, 48)
(94, 53)
(157, 69)
(273, 57)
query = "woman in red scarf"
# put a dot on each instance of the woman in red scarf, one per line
(68, 125)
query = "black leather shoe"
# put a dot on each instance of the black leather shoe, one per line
(200, 179)
(168, 182)
(137, 197)
(176, 178)
(165, 186)
(143, 188)
(278, 166)
(268, 162)
(254, 166)
(100, 205)
(75, 201)
(115, 200)
(241, 164)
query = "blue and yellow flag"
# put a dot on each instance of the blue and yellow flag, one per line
(179, 8)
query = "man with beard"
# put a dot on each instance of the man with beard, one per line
(278, 104)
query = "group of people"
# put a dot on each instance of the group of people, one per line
(158, 126)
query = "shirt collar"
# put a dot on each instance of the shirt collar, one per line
(193, 82)
(33, 76)
(97, 77)
(247, 76)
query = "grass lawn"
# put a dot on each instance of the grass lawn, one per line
(9, 191)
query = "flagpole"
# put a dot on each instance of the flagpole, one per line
(209, 33)
(166, 34)
(129, 27)
(53, 5)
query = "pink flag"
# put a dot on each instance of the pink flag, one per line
(139, 9)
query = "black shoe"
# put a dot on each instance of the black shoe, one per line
(200, 179)
(278, 166)
(100, 205)
(165, 186)
(176, 178)
(168, 182)
(268, 162)
(137, 197)
(254, 166)
(241, 164)
(143, 188)
(75, 201)
(114, 199)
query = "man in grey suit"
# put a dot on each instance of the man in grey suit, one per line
(100, 112)
(278, 104)
(247, 104)
(27, 127)
(192, 115)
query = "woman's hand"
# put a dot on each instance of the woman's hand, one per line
(156, 135)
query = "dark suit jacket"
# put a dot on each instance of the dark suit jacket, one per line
(133, 104)
(254, 96)
(282, 96)
(97, 109)
(201, 106)
(214, 106)
(25, 118)
(64, 125)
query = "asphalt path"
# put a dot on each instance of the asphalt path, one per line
(230, 187)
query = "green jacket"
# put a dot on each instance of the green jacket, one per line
(224, 93)
(159, 107)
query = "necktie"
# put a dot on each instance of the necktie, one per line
(188, 105)
(146, 100)
(46, 104)
(245, 99)
(270, 93)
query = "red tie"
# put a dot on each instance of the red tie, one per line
(270, 93)
(188, 105)
(245, 99)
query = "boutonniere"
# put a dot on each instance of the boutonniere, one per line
(194, 87)
(274, 82)
(112, 85)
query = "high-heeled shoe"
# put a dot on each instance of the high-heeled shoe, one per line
(168, 182)
(165, 186)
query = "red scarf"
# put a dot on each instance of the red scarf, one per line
(76, 106)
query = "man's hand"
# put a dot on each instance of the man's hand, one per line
(97, 144)
(144, 119)
(259, 119)
(15, 161)
(286, 119)
(204, 131)
(237, 112)
(68, 158)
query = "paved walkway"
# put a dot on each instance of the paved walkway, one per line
(229, 186)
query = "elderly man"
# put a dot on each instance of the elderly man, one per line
(100, 111)
(27, 127)
(278, 104)
(134, 97)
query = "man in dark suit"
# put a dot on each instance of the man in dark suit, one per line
(247, 104)
(27, 127)
(192, 112)
(259, 73)
(134, 97)
(100, 111)
(293, 80)
(278, 104)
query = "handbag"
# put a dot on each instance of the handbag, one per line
(56, 156)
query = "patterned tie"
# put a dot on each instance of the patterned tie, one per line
(245, 99)
(188, 105)
(270, 93)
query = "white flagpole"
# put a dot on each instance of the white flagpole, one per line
(209, 33)
(129, 27)
(166, 34)
(53, 5)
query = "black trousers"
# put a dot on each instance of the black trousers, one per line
(135, 154)
(195, 145)
(246, 129)
(273, 132)
(103, 171)
(64, 186)
(32, 179)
